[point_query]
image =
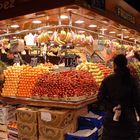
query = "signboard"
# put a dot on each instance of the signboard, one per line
(98, 4)
(16, 58)
(33, 62)
(13, 8)
(14, 45)
(125, 15)
(70, 60)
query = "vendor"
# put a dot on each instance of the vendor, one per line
(8, 57)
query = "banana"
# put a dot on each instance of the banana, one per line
(58, 41)
(68, 37)
(62, 35)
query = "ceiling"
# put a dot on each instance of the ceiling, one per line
(50, 17)
(134, 3)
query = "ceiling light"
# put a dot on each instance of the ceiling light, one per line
(63, 17)
(81, 31)
(79, 21)
(119, 34)
(105, 22)
(124, 29)
(131, 38)
(126, 36)
(15, 26)
(103, 29)
(112, 32)
(92, 26)
(100, 36)
(50, 32)
(37, 22)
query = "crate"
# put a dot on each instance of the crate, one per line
(92, 136)
(90, 123)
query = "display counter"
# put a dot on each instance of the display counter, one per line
(49, 103)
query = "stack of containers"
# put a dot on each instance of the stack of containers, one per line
(86, 134)
(90, 121)
(90, 127)
(12, 131)
(55, 123)
(27, 124)
(7, 114)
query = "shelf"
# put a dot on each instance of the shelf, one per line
(48, 103)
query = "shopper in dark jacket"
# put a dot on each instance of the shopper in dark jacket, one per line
(120, 95)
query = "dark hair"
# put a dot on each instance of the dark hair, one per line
(120, 60)
(121, 63)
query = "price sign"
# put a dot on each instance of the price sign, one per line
(7, 4)
(70, 60)
(33, 62)
(16, 59)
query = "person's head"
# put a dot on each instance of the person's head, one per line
(120, 63)
(10, 54)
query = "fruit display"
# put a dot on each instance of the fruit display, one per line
(28, 79)
(19, 80)
(62, 37)
(12, 80)
(97, 74)
(104, 69)
(135, 69)
(67, 85)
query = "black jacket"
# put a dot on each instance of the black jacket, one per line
(115, 90)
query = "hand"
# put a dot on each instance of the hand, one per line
(118, 107)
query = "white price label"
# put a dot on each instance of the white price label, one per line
(45, 116)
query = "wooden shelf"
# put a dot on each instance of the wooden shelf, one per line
(48, 103)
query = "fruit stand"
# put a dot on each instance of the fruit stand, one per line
(60, 57)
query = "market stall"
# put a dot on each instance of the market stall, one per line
(57, 58)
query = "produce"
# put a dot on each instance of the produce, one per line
(65, 85)
(44, 37)
(19, 80)
(93, 69)
(62, 37)
(105, 70)
(135, 69)
(12, 80)
(28, 79)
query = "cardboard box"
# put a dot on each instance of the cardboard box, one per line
(58, 118)
(27, 138)
(7, 114)
(27, 130)
(3, 127)
(51, 133)
(27, 115)
(79, 112)
(3, 135)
